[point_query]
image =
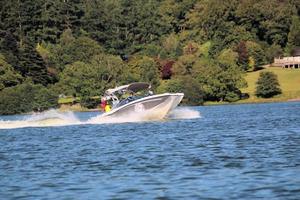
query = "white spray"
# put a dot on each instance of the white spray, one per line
(56, 118)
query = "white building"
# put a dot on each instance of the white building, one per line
(287, 62)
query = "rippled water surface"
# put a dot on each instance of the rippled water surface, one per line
(230, 152)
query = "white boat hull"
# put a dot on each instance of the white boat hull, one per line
(153, 107)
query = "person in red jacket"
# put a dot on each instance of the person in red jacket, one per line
(103, 104)
(105, 107)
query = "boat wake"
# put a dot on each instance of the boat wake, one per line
(56, 118)
(184, 113)
(44, 119)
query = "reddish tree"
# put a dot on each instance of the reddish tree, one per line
(243, 58)
(165, 68)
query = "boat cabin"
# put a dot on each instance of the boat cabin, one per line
(124, 94)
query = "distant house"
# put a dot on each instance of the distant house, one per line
(289, 62)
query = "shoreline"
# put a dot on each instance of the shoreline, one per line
(78, 108)
(294, 100)
(257, 101)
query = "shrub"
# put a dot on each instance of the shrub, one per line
(26, 97)
(232, 96)
(193, 92)
(267, 85)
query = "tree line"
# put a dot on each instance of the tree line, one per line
(80, 48)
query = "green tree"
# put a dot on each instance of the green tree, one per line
(173, 13)
(256, 51)
(192, 89)
(79, 79)
(171, 85)
(294, 34)
(193, 92)
(171, 45)
(112, 69)
(71, 49)
(228, 58)
(267, 85)
(153, 51)
(123, 27)
(212, 20)
(268, 20)
(219, 84)
(144, 69)
(191, 54)
(83, 49)
(9, 49)
(274, 51)
(91, 79)
(8, 76)
(44, 98)
(32, 65)
(103, 21)
(184, 65)
(26, 97)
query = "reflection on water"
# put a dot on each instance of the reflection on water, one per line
(230, 152)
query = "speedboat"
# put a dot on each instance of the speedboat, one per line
(136, 99)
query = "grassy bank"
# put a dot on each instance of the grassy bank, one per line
(289, 80)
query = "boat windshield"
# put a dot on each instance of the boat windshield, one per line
(128, 100)
(127, 93)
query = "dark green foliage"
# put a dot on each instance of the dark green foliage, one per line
(9, 49)
(8, 76)
(257, 54)
(69, 50)
(193, 92)
(267, 85)
(26, 97)
(269, 20)
(233, 96)
(44, 98)
(220, 84)
(143, 69)
(32, 65)
(92, 78)
(123, 26)
(25, 59)
(172, 85)
(274, 51)
(294, 34)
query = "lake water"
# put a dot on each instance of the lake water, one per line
(228, 152)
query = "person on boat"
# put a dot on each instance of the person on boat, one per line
(105, 107)
(103, 104)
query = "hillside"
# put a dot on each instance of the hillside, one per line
(78, 49)
(289, 80)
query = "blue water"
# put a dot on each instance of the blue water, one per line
(230, 152)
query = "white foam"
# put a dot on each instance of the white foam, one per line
(44, 119)
(184, 113)
(53, 114)
(56, 118)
